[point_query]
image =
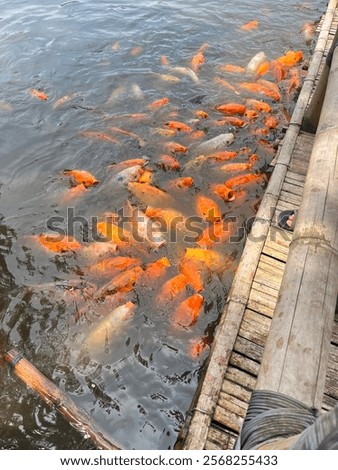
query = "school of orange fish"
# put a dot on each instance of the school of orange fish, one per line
(118, 264)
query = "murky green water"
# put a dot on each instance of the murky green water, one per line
(106, 57)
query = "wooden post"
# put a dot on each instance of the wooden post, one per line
(56, 397)
(296, 354)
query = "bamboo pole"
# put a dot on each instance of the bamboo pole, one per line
(312, 113)
(296, 354)
(53, 396)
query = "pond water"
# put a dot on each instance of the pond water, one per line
(100, 66)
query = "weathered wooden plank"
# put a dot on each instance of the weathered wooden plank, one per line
(290, 198)
(269, 278)
(266, 262)
(279, 237)
(249, 349)
(228, 418)
(266, 291)
(219, 439)
(292, 189)
(261, 304)
(244, 363)
(255, 327)
(274, 252)
(233, 404)
(241, 378)
(264, 285)
(236, 390)
(281, 206)
(295, 177)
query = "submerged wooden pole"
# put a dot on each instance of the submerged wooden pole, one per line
(58, 398)
(296, 354)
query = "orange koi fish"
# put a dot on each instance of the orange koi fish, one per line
(112, 266)
(81, 177)
(244, 179)
(196, 135)
(308, 30)
(167, 162)
(64, 99)
(197, 347)
(201, 114)
(164, 132)
(290, 58)
(158, 103)
(164, 60)
(58, 243)
(207, 208)
(263, 68)
(174, 147)
(146, 176)
(278, 70)
(230, 120)
(250, 25)
(270, 86)
(40, 95)
(171, 217)
(222, 156)
(251, 114)
(128, 164)
(98, 135)
(178, 126)
(271, 122)
(96, 250)
(188, 311)
(108, 327)
(172, 288)
(193, 273)
(231, 108)
(146, 231)
(148, 194)
(209, 259)
(227, 194)
(123, 282)
(295, 82)
(73, 193)
(114, 234)
(129, 134)
(259, 105)
(156, 269)
(135, 51)
(231, 68)
(253, 158)
(225, 84)
(258, 88)
(220, 232)
(268, 146)
(198, 59)
(236, 166)
(183, 182)
(260, 131)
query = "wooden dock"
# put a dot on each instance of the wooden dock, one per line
(221, 402)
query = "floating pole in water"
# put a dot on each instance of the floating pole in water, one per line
(52, 395)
